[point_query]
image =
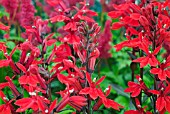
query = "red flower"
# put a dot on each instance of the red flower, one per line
(136, 88)
(163, 70)
(6, 108)
(34, 102)
(11, 85)
(162, 102)
(93, 56)
(3, 27)
(27, 78)
(92, 90)
(139, 110)
(107, 102)
(149, 58)
(133, 43)
(70, 80)
(76, 102)
(9, 58)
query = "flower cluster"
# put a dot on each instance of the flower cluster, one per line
(147, 31)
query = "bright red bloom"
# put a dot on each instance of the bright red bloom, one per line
(163, 70)
(34, 102)
(11, 85)
(76, 102)
(139, 110)
(162, 102)
(149, 58)
(3, 27)
(92, 90)
(136, 88)
(70, 80)
(27, 78)
(8, 60)
(107, 102)
(37, 31)
(6, 108)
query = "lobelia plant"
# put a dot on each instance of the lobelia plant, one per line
(147, 33)
(72, 62)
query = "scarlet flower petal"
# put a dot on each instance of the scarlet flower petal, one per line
(135, 16)
(58, 18)
(53, 105)
(154, 92)
(20, 66)
(136, 92)
(155, 52)
(117, 25)
(85, 91)
(93, 93)
(115, 14)
(132, 112)
(160, 103)
(167, 105)
(4, 63)
(155, 70)
(51, 42)
(100, 80)
(3, 27)
(24, 104)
